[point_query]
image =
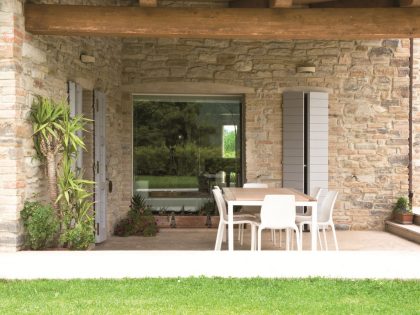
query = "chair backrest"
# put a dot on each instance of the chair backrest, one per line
(316, 191)
(325, 212)
(221, 204)
(278, 211)
(255, 185)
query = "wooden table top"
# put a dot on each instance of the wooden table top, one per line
(258, 194)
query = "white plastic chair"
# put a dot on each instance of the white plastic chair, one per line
(316, 194)
(237, 219)
(278, 212)
(241, 227)
(324, 218)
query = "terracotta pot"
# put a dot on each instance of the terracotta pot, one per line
(187, 221)
(163, 221)
(403, 218)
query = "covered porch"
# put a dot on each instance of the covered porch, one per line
(117, 54)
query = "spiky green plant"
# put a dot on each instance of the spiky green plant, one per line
(46, 117)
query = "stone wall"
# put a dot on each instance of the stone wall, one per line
(368, 86)
(42, 65)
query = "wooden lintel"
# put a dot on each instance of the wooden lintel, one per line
(148, 3)
(410, 3)
(223, 22)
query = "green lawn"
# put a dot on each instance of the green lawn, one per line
(169, 181)
(209, 296)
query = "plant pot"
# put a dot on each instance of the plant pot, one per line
(403, 218)
(187, 221)
(163, 221)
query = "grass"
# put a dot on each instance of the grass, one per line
(169, 181)
(209, 296)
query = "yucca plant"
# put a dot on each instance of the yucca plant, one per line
(47, 117)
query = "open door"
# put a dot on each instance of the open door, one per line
(100, 166)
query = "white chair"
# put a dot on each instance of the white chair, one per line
(324, 218)
(237, 219)
(249, 210)
(316, 193)
(278, 212)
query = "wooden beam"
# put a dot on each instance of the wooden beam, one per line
(148, 3)
(281, 3)
(223, 23)
(410, 3)
(356, 4)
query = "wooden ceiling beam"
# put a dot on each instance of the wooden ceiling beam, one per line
(356, 4)
(410, 3)
(223, 22)
(281, 3)
(148, 3)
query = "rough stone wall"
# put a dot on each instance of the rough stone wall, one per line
(368, 112)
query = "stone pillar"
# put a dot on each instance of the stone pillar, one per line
(12, 124)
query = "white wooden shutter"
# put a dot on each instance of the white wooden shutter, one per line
(293, 140)
(76, 108)
(317, 140)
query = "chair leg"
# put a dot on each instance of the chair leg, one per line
(298, 236)
(219, 237)
(320, 241)
(273, 236)
(242, 235)
(240, 227)
(281, 237)
(301, 235)
(259, 239)
(334, 235)
(325, 238)
(253, 227)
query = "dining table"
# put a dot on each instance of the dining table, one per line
(235, 196)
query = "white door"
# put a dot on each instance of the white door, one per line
(100, 167)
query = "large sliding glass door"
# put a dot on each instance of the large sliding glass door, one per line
(184, 145)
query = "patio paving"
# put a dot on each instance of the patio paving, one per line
(203, 239)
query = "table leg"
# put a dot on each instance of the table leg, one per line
(230, 226)
(314, 227)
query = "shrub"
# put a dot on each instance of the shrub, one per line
(79, 237)
(41, 225)
(140, 220)
(402, 206)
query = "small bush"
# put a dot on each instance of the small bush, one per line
(80, 237)
(140, 220)
(41, 225)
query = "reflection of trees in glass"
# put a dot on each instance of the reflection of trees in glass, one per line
(229, 141)
(168, 137)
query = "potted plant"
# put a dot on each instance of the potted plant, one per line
(402, 211)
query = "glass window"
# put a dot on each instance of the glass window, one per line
(184, 145)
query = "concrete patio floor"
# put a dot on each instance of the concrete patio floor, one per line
(204, 239)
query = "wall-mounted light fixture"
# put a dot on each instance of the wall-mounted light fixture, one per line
(87, 59)
(306, 68)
